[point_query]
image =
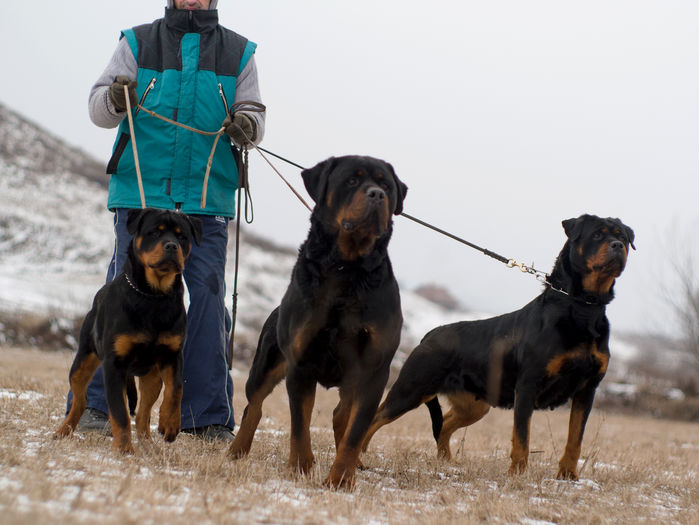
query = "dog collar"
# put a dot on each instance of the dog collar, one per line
(577, 299)
(133, 286)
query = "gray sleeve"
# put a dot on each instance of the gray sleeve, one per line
(248, 89)
(101, 109)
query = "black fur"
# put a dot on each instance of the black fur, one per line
(339, 322)
(136, 327)
(550, 351)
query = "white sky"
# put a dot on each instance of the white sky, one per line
(503, 118)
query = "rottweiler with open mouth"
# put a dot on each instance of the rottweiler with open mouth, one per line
(339, 322)
(554, 349)
(136, 327)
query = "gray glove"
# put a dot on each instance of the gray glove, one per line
(241, 128)
(116, 93)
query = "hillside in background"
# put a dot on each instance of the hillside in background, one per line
(56, 240)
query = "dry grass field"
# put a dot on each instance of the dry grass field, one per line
(633, 470)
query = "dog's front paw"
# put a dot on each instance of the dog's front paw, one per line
(302, 463)
(62, 432)
(339, 480)
(567, 472)
(517, 466)
(169, 432)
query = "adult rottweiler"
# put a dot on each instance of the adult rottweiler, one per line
(339, 321)
(553, 349)
(136, 327)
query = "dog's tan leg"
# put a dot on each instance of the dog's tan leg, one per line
(301, 407)
(170, 411)
(121, 433)
(149, 387)
(80, 376)
(341, 416)
(253, 412)
(579, 412)
(524, 407)
(465, 411)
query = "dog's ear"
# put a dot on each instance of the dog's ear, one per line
(316, 178)
(196, 228)
(133, 222)
(574, 227)
(401, 188)
(630, 235)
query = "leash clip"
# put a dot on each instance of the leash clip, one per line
(511, 263)
(540, 276)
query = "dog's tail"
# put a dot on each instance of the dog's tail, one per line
(436, 415)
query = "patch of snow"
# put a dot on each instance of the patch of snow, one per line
(625, 390)
(26, 395)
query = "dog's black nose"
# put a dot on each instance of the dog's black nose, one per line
(616, 245)
(170, 246)
(375, 194)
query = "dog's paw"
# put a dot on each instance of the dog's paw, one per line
(62, 432)
(517, 467)
(343, 481)
(567, 474)
(169, 432)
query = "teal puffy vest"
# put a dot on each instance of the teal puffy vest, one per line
(187, 71)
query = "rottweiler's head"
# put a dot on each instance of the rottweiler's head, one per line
(162, 241)
(355, 199)
(597, 250)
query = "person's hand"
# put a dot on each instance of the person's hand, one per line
(241, 128)
(116, 93)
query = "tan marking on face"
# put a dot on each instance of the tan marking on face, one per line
(160, 279)
(597, 280)
(359, 242)
(124, 343)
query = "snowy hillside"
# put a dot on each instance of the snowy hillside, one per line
(56, 240)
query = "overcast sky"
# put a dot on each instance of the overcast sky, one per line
(503, 118)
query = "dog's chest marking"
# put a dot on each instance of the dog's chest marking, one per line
(586, 352)
(171, 341)
(125, 342)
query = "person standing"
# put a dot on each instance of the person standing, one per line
(189, 68)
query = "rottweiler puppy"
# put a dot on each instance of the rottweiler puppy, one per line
(136, 327)
(554, 349)
(340, 319)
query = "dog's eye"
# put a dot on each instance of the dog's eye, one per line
(597, 236)
(352, 181)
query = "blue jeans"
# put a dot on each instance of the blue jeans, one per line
(207, 396)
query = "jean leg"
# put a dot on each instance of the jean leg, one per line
(208, 387)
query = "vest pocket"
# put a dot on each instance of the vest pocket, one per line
(118, 152)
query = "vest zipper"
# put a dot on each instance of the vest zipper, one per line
(223, 98)
(145, 94)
